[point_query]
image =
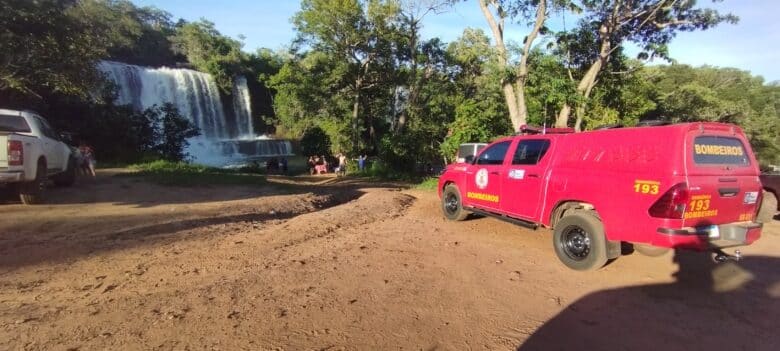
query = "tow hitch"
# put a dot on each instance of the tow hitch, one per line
(721, 256)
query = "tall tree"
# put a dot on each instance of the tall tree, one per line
(513, 84)
(411, 15)
(352, 32)
(651, 24)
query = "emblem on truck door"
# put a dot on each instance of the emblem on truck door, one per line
(481, 178)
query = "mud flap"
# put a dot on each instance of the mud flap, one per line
(613, 249)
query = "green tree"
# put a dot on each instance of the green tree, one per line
(173, 132)
(357, 36)
(210, 51)
(650, 24)
(58, 56)
(315, 142)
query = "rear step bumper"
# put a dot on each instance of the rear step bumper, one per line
(708, 237)
(11, 177)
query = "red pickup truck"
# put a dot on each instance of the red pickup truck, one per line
(692, 186)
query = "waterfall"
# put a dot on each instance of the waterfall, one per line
(195, 94)
(242, 108)
(224, 139)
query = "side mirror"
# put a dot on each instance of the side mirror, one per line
(66, 137)
(469, 159)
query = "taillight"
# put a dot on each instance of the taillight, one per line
(672, 203)
(15, 153)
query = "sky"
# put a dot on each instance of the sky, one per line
(750, 45)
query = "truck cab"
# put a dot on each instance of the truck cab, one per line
(690, 186)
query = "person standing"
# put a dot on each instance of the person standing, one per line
(87, 159)
(362, 162)
(342, 164)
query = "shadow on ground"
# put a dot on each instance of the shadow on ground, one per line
(730, 306)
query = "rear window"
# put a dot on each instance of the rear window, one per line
(14, 124)
(530, 152)
(470, 149)
(719, 150)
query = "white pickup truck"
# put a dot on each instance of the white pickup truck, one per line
(31, 152)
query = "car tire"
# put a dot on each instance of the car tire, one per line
(650, 250)
(579, 240)
(451, 204)
(32, 193)
(768, 209)
(68, 177)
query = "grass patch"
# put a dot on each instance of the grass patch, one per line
(187, 174)
(429, 183)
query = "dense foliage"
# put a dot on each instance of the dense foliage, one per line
(359, 78)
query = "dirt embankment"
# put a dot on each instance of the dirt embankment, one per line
(123, 264)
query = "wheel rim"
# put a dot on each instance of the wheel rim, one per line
(451, 203)
(575, 242)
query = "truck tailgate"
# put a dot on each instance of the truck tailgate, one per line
(3, 150)
(723, 178)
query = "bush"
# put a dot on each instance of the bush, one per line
(429, 183)
(187, 174)
(172, 132)
(315, 142)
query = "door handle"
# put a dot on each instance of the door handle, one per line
(533, 175)
(495, 172)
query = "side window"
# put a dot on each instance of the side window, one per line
(494, 154)
(530, 152)
(46, 129)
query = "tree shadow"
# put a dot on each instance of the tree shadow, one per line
(732, 305)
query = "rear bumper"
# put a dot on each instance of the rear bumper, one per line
(709, 237)
(11, 177)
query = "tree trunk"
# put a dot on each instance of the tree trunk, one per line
(511, 104)
(588, 81)
(510, 95)
(355, 112)
(522, 69)
(411, 103)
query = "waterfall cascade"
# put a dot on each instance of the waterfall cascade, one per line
(225, 137)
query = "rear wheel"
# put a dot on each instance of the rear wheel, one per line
(579, 241)
(768, 207)
(33, 192)
(451, 204)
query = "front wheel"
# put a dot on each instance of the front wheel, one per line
(68, 177)
(451, 203)
(579, 241)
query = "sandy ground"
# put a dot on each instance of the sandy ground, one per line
(120, 264)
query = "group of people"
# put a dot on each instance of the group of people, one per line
(320, 164)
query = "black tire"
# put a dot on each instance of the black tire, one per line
(651, 251)
(32, 193)
(768, 209)
(451, 204)
(579, 241)
(68, 177)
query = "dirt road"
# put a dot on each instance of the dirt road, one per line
(123, 264)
